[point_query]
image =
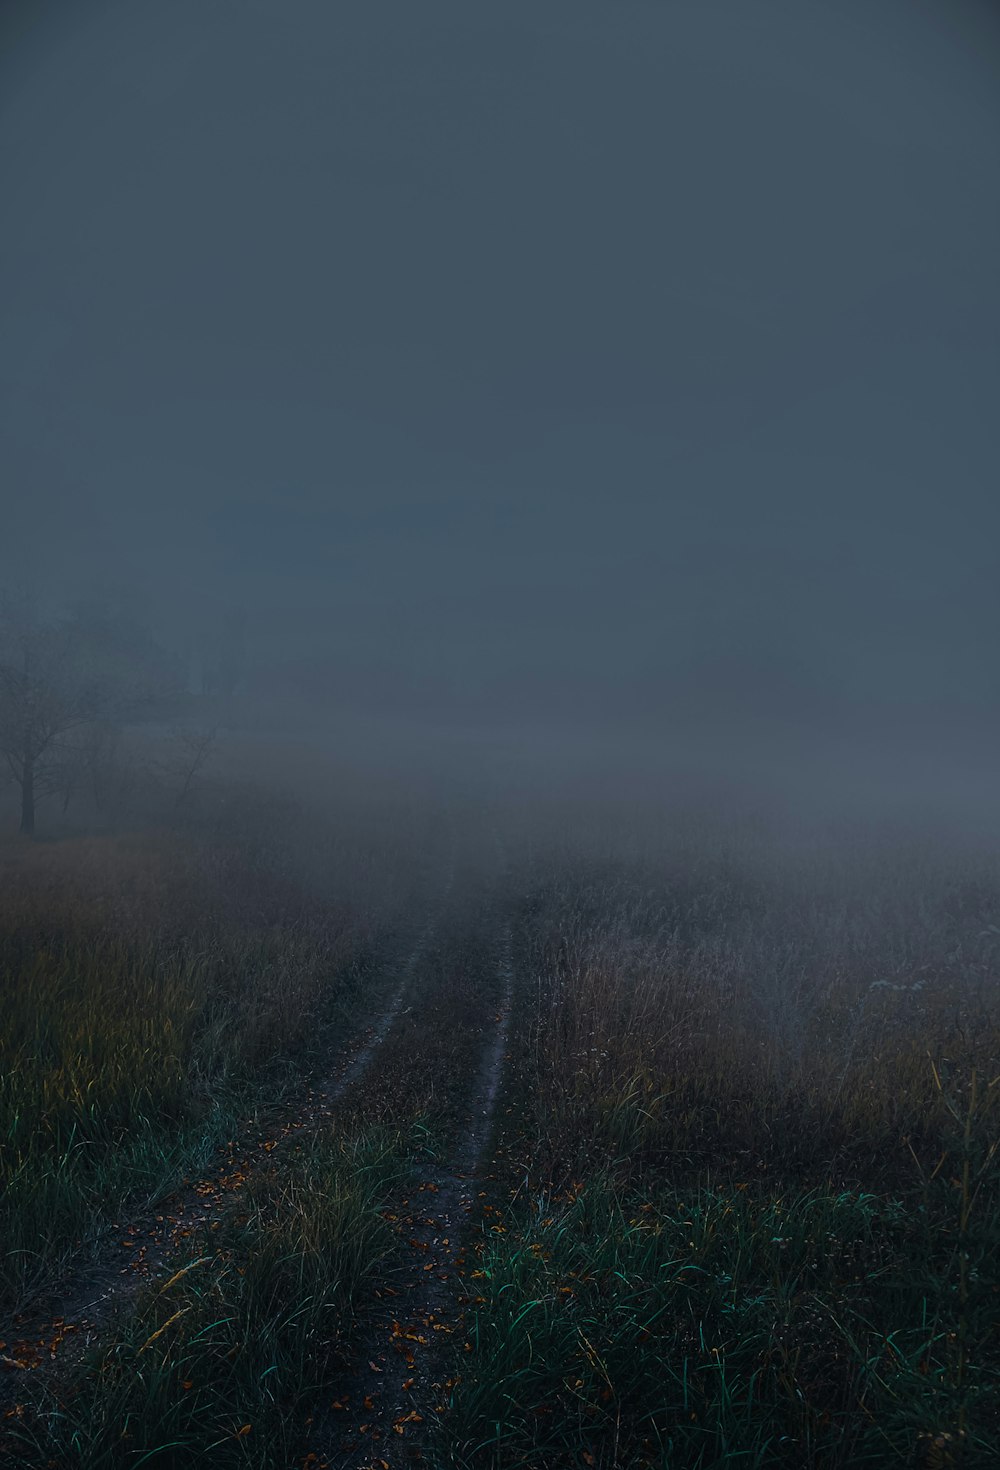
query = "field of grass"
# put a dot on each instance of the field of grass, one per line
(153, 991)
(225, 1360)
(760, 1220)
(742, 1204)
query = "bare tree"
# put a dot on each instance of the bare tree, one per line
(195, 749)
(96, 764)
(57, 677)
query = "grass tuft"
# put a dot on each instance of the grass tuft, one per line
(225, 1360)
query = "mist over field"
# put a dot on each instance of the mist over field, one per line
(562, 383)
(499, 734)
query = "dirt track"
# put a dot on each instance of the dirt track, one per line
(53, 1332)
(386, 1401)
(436, 1048)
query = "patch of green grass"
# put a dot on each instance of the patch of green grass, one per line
(730, 1326)
(223, 1363)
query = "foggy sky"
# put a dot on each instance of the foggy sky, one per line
(551, 362)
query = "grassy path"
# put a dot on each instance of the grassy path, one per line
(556, 1219)
(382, 1408)
(51, 1334)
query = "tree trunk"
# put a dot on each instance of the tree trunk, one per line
(28, 801)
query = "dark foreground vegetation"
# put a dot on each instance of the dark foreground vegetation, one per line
(740, 1205)
(759, 1222)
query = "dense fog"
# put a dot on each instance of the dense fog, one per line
(564, 400)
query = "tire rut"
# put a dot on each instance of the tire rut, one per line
(381, 1412)
(50, 1338)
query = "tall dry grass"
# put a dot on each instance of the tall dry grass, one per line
(151, 988)
(758, 1214)
(745, 1014)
